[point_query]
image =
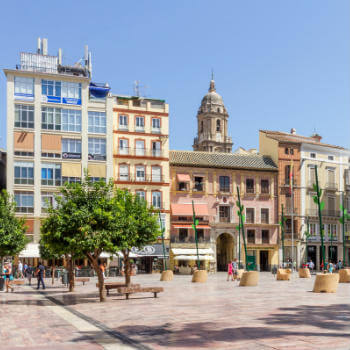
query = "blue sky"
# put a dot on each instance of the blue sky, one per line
(278, 64)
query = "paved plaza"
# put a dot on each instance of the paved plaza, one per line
(215, 315)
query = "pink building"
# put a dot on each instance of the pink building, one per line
(210, 180)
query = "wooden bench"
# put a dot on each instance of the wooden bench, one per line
(115, 285)
(133, 290)
(82, 279)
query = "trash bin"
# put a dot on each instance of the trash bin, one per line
(2, 283)
(65, 277)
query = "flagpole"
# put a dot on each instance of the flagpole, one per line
(292, 216)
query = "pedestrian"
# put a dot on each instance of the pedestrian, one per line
(40, 273)
(330, 267)
(8, 276)
(339, 265)
(229, 271)
(20, 270)
(235, 268)
(311, 265)
(102, 268)
(29, 273)
(25, 266)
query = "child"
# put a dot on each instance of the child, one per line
(229, 271)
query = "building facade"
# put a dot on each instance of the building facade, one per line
(210, 181)
(59, 125)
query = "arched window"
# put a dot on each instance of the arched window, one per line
(218, 125)
(202, 126)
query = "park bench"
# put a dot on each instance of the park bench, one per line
(133, 290)
(82, 279)
(116, 285)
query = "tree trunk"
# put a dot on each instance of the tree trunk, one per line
(71, 274)
(127, 271)
(53, 271)
(101, 282)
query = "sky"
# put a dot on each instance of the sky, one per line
(277, 64)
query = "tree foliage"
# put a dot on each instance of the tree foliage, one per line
(12, 228)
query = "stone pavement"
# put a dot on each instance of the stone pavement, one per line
(216, 315)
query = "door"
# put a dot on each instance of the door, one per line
(311, 253)
(264, 260)
(251, 262)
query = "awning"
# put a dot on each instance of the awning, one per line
(155, 250)
(71, 169)
(131, 255)
(186, 209)
(194, 257)
(30, 251)
(192, 251)
(98, 90)
(190, 226)
(183, 178)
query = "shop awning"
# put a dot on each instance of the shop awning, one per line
(183, 178)
(30, 251)
(190, 226)
(186, 209)
(192, 251)
(194, 257)
(131, 255)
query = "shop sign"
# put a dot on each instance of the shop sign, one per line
(146, 250)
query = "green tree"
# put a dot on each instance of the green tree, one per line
(12, 229)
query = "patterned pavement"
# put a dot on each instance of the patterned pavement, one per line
(216, 315)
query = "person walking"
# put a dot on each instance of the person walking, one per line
(20, 270)
(28, 274)
(40, 271)
(229, 271)
(8, 276)
(235, 269)
(311, 265)
(330, 267)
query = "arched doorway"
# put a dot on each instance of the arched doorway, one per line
(224, 251)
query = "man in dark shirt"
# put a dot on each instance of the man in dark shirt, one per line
(40, 271)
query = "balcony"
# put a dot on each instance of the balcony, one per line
(140, 152)
(224, 219)
(331, 186)
(155, 130)
(289, 211)
(312, 212)
(123, 127)
(176, 239)
(136, 179)
(198, 187)
(331, 213)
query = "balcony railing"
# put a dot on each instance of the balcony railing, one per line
(140, 152)
(332, 213)
(176, 239)
(155, 130)
(198, 187)
(146, 178)
(331, 186)
(290, 211)
(311, 212)
(24, 210)
(224, 219)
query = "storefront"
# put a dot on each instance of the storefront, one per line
(150, 258)
(262, 258)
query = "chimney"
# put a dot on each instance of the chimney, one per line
(293, 131)
(39, 46)
(316, 137)
(60, 56)
(44, 52)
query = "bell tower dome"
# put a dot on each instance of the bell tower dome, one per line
(212, 124)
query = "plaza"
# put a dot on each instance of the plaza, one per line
(214, 315)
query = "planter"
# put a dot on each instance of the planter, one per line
(239, 274)
(200, 276)
(326, 283)
(304, 273)
(283, 274)
(249, 279)
(344, 276)
(167, 275)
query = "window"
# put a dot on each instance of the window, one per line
(97, 122)
(291, 151)
(51, 88)
(156, 125)
(250, 216)
(287, 174)
(286, 150)
(47, 201)
(140, 124)
(141, 195)
(249, 183)
(156, 200)
(224, 182)
(265, 236)
(218, 125)
(182, 186)
(162, 221)
(50, 155)
(264, 216)
(24, 173)
(24, 116)
(312, 228)
(200, 234)
(70, 179)
(156, 174)
(51, 118)
(330, 157)
(97, 179)
(331, 205)
(140, 173)
(123, 172)
(24, 154)
(24, 202)
(332, 231)
(198, 183)
(156, 149)
(313, 155)
(265, 186)
(251, 236)
(224, 213)
(183, 234)
(312, 175)
(71, 90)
(97, 148)
(50, 174)
(140, 147)
(24, 88)
(331, 178)
(71, 148)
(71, 120)
(123, 122)
(123, 146)
(202, 126)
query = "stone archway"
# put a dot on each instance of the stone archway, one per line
(224, 251)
